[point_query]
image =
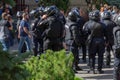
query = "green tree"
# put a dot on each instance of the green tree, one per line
(61, 4)
(11, 2)
(114, 2)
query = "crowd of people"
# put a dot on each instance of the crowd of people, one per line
(50, 28)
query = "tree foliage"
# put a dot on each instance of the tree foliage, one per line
(61, 4)
(11, 66)
(114, 2)
(50, 66)
(11, 2)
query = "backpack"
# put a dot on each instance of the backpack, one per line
(55, 28)
(4, 32)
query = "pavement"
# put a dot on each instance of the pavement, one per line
(107, 75)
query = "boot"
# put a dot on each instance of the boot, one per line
(100, 71)
(78, 68)
(91, 70)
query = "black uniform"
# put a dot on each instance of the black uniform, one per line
(109, 30)
(96, 41)
(76, 42)
(53, 33)
(116, 48)
(82, 37)
(75, 37)
(37, 37)
(86, 33)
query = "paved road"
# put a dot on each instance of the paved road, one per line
(108, 72)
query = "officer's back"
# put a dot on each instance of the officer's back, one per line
(94, 27)
(109, 26)
(96, 32)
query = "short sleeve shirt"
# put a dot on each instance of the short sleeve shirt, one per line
(23, 24)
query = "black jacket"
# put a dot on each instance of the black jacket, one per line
(109, 30)
(74, 31)
(95, 28)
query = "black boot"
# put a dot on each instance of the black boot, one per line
(100, 71)
(84, 59)
(78, 68)
(92, 70)
(108, 64)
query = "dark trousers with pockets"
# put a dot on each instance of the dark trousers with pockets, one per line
(75, 52)
(108, 55)
(53, 45)
(37, 46)
(96, 46)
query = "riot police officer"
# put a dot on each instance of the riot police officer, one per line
(82, 38)
(53, 30)
(74, 32)
(106, 19)
(96, 32)
(59, 15)
(37, 32)
(116, 48)
(86, 33)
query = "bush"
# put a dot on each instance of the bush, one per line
(76, 78)
(11, 66)
(51, 66)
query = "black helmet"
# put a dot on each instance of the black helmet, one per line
(106, 15)
(118, 20)
(41, 10)
(37, 12)
(55, 7)
(72, 15)
(96, 15)
(34, 13)
(76, 10)
(90, 15)
(50, 11)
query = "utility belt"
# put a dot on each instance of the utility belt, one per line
(98, 38)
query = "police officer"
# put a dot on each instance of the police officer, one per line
(86, 33)
(96, 32)
(109, 30)
(53, 30)
(74, 30)
(82, 38)
(116, 47)
(59, 15)
(37, 32)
